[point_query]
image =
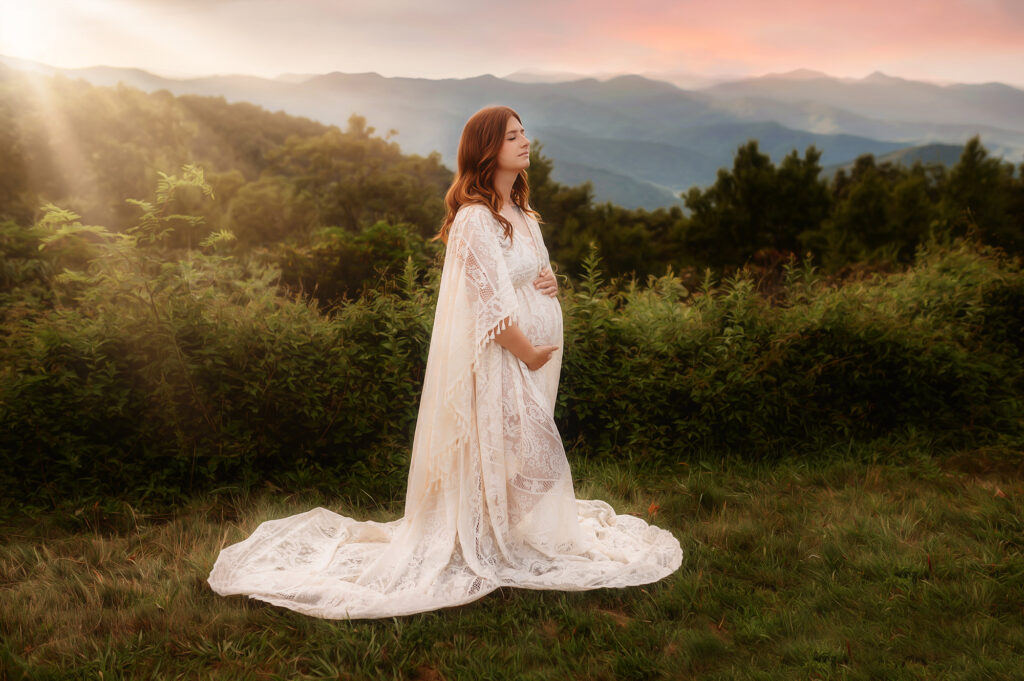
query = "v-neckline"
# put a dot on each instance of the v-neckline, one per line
(529, 228)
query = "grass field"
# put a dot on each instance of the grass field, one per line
(850, 568)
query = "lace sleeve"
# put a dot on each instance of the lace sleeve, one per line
(474, 243)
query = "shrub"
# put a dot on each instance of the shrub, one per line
(159, 374)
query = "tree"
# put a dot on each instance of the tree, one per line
(756, 206)
(269, 211)
(354, 180)
(979, 194)
(881, 211)
(342, 265)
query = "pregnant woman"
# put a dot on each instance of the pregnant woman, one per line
(490, 499)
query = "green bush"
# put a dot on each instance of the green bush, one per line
(651, 374)
(344, 265)
(154, 377)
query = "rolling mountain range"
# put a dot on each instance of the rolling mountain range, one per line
(640, 141)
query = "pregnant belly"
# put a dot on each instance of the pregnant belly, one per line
(540, 316)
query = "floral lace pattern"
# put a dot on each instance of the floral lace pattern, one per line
(490, 499)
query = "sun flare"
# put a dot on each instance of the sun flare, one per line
(21, 26)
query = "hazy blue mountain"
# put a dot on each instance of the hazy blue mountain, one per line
(682, 158)
(685, 80)
(946, 154)
(720, 141)
(797, 74)
(618, 188)
(886, 98)
(824, 119)
(543, 76)
(674, 166)
(642, 141)
(294, 77)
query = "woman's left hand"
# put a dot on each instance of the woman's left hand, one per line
(546, 282)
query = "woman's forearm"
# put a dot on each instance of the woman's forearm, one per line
(515, 341)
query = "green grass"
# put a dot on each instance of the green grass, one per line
(846, 569)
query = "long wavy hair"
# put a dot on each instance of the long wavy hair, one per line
(482, 138)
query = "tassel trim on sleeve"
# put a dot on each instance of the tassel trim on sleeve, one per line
(435, 469)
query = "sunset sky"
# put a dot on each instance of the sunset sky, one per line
(938, 40)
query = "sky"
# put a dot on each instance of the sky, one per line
(969, 41)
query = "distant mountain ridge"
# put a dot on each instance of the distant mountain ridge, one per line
(640, 141)
(946, 154)
(885, 97)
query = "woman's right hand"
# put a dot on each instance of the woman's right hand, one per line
(541, 355)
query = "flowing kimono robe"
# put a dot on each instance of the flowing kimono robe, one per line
(490, 499)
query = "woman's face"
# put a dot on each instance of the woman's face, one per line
(515, 150)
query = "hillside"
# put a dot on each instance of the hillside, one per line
(606, 128)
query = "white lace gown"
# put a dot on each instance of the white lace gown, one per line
(490, 499)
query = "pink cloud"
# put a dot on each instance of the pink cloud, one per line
(969, 40)
(801, 32)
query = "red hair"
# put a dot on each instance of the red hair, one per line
(482, 138)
